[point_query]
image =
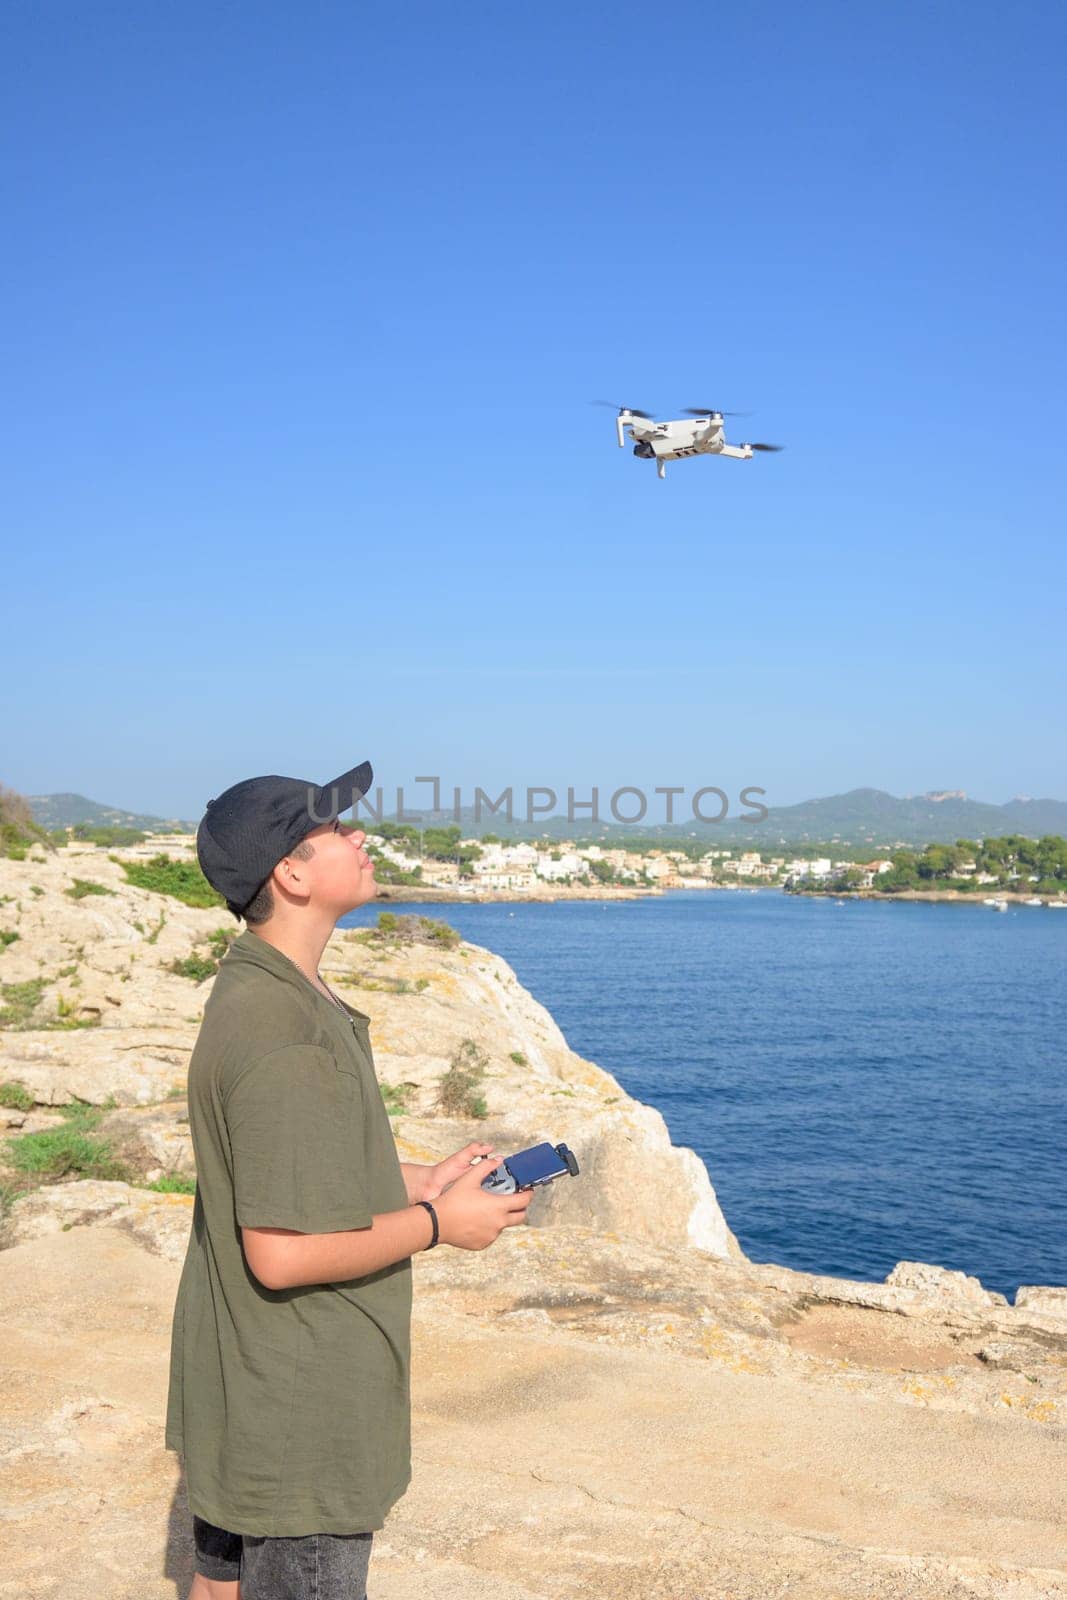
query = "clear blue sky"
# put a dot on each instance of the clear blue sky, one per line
(304, 307)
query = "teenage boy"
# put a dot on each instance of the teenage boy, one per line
(289, 1396)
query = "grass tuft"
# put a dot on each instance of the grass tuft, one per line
(16, 1097)
(19, 1001)
(82, 887)
(55, 1153)
(396, 1096)
(457, 1090)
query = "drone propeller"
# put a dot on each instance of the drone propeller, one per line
(712, 411)
(632, 410)
(765, 447)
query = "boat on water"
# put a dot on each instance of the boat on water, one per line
(1002, 905)
(990, 901)
(1057, 905)
(1034, 900)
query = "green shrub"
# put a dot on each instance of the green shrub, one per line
(18, 1002)
(18, 830)
(82, 887)
(182, 880)
(112, 836)
(396, 1097)
(200, 967)
(518, 1058)
(35, 888)
(195, 967)
(457, 1090)
(9, 1193)
(66, 1016)
(55, 1152)
(6, 938)
(16, 1097)
(173, 1183)
(396, 931)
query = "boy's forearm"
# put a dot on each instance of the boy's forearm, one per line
(355, 1252)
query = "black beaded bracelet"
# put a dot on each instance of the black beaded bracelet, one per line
(433, 1219)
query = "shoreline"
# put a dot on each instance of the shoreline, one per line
(932, 896)
(409, 892)
(405, 893)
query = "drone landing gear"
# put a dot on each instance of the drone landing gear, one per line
(661, 469)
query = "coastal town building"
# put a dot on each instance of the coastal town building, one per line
(440, 874)
(508, 878)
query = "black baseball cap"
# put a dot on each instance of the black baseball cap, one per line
(247, 830)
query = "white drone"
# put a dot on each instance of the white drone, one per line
(672, 441)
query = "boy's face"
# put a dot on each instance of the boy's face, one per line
(340, 873)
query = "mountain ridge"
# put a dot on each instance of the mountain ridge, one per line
(857, 816)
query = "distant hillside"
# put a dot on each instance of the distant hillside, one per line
(64, 810)
(861, 816)
(872, 816)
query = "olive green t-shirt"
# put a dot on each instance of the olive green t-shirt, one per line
(290, 1407)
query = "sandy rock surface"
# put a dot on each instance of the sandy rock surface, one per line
(611, 1401)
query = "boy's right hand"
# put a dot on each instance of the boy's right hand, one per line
(471, 1218)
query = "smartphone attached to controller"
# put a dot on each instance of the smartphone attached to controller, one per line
(531, 1168)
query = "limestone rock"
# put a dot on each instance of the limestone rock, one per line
(1049, 1300)
(160, 1222)
(425, 1002)
(941, 1283)
(688, 1423)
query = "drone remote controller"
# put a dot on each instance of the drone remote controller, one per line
(531, 1168)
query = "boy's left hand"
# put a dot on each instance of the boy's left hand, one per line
(445, 1173)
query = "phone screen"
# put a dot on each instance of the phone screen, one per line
(539, 1162)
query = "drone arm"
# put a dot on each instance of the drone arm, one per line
(742, 452)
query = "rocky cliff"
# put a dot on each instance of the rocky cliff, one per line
(611, 1400)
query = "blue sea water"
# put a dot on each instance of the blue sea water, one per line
(866, 1082)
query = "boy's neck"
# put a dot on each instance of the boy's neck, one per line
(302, 943)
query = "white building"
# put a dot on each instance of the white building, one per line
(509, 878)
(569, 865)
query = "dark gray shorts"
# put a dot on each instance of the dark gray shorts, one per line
(315, 1566)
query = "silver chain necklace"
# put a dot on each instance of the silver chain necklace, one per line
(322, 980)
(332, 996)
